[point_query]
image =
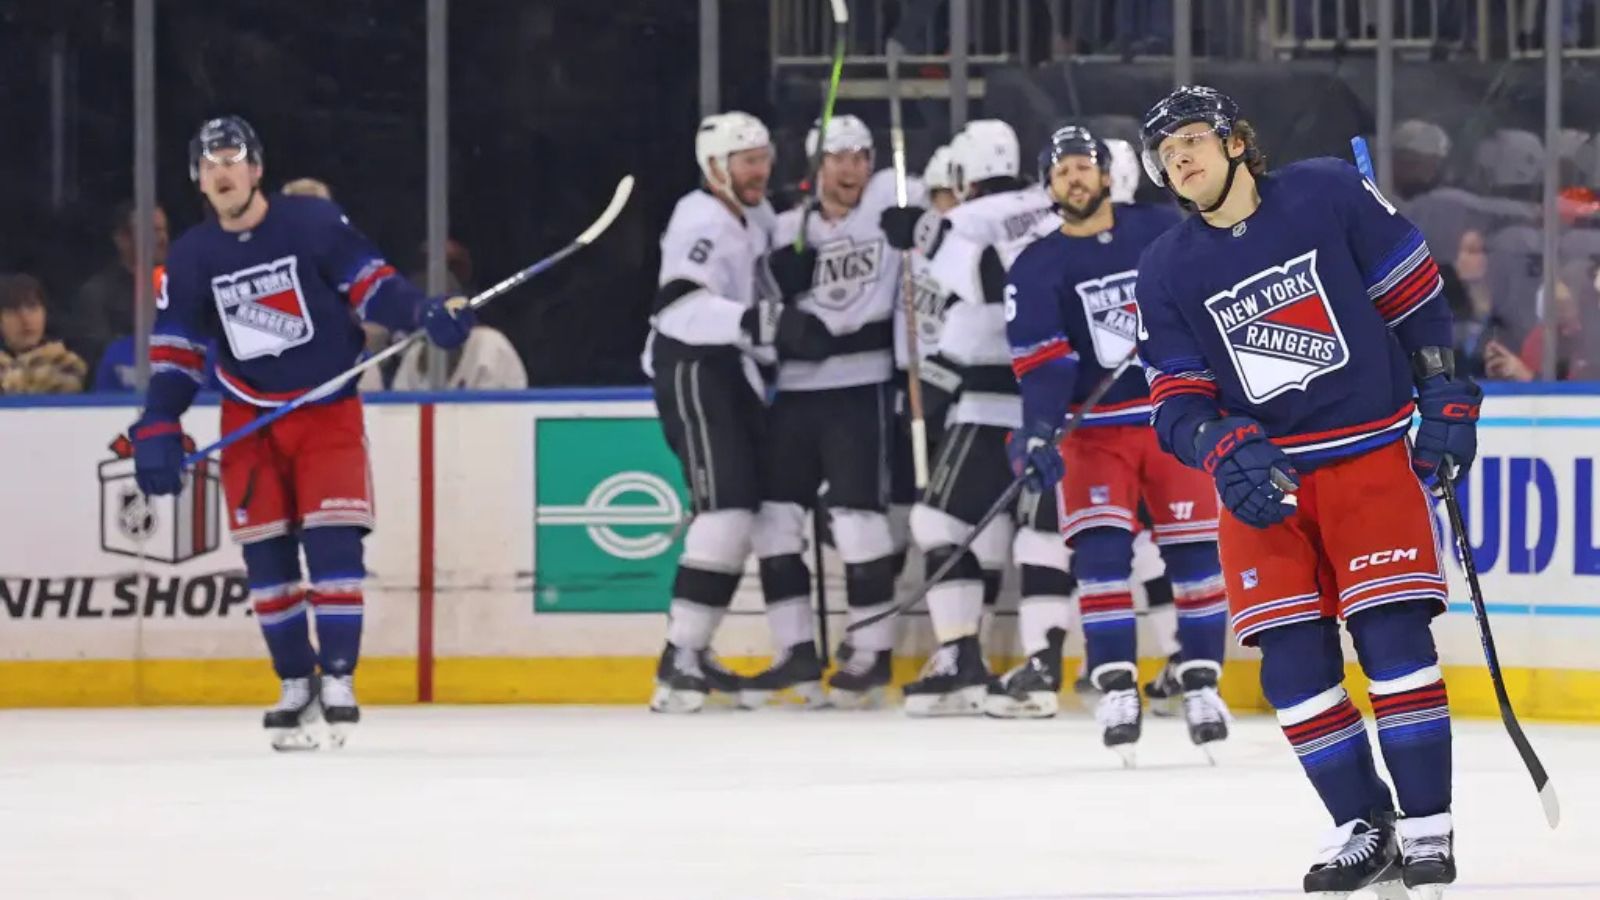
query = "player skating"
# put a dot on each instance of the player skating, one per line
(1302, 304)
(831, 422)
(1071, 320)
(971, 373)
(714, 317)
(281, 287)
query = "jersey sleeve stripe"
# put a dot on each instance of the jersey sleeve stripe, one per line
(1164, 386)
(176, 340)
(1026, 359)
(366, 282)
(1411, 293)
(1402, 262)
(178, 359)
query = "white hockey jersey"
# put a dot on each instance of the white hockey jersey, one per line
(855, 291)
(708, 247)
(973, 337)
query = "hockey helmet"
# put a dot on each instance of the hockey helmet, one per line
(1072, 140)
(937, 176)
(224, 133)
(723, 134)
(845, 133)
(1184, 106)
(1124, 171)
(986, 148)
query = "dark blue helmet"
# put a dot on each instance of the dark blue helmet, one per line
(222, 134)
(1184, 106)
(1072, 140)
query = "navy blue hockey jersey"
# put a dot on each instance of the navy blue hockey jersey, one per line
(1302, 316)
(283, 303)
(1071, 318)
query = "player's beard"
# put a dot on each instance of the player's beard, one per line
(1079, 213)
(229, 214)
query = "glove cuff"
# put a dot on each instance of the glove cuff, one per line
(144, 430)
(1430, 362)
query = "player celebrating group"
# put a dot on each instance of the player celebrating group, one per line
(1291, 328)
(281, 287)
(1071, 320)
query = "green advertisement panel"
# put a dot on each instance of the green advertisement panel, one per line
(608, 499)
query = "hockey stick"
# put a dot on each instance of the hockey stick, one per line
(822, 581)
(908, 286)
(1458, 525)
(841, 21)
(1541, 779)
(334, 384)
(1007, 497)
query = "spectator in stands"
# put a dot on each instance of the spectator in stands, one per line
(308, 187)
(30, 361)
(1466, 282)
(1576, 313)
(102, 310)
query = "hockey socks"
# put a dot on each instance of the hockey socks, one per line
(272, 567)
(1330, 738)
(1102, 561)
(340, 610)
(1201, 602)
(1396, 650)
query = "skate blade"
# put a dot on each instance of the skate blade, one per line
(1165, 708)
(967, 701)
(290, 740)
(856, 700)
(1128, 755)
(1395, 890)
(1427, 892)
(667, 700)
(340, 733)
(1039, 705)
(806, 695)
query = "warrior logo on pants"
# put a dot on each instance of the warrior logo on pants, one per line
(1280, 329)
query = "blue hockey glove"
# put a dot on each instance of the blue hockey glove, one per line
(793, 270)
(1252, 474)
(1035, 454)
(448, 321)
(1449, 430)
(157, 455)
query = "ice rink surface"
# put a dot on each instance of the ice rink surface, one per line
(527, 802)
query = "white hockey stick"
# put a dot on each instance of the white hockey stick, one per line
(619, 199)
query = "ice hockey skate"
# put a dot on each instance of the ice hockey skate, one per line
(1118, 712)
(953, 683)
(1358, 855)
(1427, 855)
(1032, 689)
(1164, 691)
(288, 722)
(1203, 709)
(796, 672)
(339, 709)
(862, 678)
(685, 678)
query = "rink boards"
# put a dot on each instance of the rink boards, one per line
(525, 551)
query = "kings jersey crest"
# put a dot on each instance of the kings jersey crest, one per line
(1280, 329)
(1112, 314)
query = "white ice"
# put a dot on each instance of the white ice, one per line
(587, 803)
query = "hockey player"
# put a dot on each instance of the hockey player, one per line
(1292, 329)
(971, 373)
(831, 423)
(1071, 320)
(714, 319)
(281, 286)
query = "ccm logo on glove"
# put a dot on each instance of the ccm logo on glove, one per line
(1228, 442)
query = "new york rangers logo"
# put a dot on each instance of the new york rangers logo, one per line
(262, 308)
(1112, 314)
(1280, 329)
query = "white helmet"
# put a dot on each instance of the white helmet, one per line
(937, 175)
(986, 148)
(845, 133)
(1124, 170)
(724, 134)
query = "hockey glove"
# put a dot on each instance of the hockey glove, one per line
(157, 455)
(899, 224)
(793, 270)
(794, 333)
(1448, 436)
(448, 321)
(1036, 456)
(1252, 474)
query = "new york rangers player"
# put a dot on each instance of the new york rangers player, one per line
(281, 286)
(1293, 327)
(1071, 320)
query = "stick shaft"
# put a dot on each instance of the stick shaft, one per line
(841, 21)
(908, 283)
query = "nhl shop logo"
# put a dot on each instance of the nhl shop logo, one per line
(1280, 329)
